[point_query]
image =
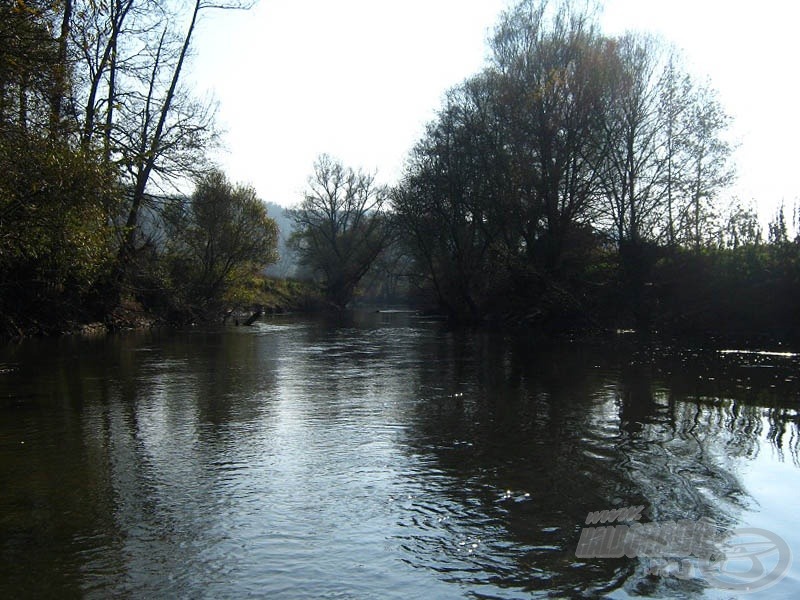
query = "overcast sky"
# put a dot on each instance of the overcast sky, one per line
(359, 79)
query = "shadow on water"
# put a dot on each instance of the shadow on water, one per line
(373, 456)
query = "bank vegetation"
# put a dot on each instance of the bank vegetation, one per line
(579, 181)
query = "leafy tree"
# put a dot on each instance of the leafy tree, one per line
(708, 168)
(341, 227)
(30, 68)
(454, 204)
(740, 227)
(129, 57)
(218, 239)
(778, 232)
(500, 192)
(567, 133)
(55, 238)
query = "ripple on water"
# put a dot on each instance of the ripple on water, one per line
(299, 460)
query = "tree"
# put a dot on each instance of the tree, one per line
(708, 168)
(217, 238)
(665, 158)
(502, 187)
(454, 205)
(55, 237)
(632, 166)
(551, 62)
(676, 90)
(740, 227)
(778, 232)
(341, 227)
(129, 57)
(567, 134)
(154, 129)
(99, 34)
(94, 121)
(30, 71)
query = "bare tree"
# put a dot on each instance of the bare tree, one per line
(632, 166)
(148, 140)
(665, 156)
(97, 39)
(341, 227)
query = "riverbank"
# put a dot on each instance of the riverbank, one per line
(264, 295)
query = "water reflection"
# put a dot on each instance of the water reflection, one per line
(375, 456)
(575, 428)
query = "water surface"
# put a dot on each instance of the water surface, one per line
(378, 456)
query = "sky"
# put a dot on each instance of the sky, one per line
(359, 79)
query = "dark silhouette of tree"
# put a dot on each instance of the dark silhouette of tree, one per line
(453, 204)
(341, 227)
(551, 65)
(567, 139)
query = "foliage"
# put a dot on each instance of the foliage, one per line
(574, 182)
(94, 120)
(29, 64)
(273, 295)
(568, 142)
(747, 289)
(740, 227)
(218, 240)
(55, 238)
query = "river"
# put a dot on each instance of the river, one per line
(381, 455)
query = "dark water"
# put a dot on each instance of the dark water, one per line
(378, 457)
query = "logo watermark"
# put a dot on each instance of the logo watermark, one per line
(744, 560)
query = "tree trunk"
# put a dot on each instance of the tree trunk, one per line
(128, 247)
(255, 316)
(59, 87)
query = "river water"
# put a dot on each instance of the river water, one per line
(380, 456)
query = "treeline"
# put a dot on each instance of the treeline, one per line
(97, 132)
(576, 182)
(570, 144)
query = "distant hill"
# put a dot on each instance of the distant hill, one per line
(287, 264)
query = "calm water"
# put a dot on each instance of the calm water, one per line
(378, 457)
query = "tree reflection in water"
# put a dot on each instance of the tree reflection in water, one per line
(376, 458)
(529, 438)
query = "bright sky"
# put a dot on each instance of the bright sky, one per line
(359, 79)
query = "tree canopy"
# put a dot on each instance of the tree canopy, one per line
(568, 142)
(96, 128)
(218, 237)
(340, 227)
